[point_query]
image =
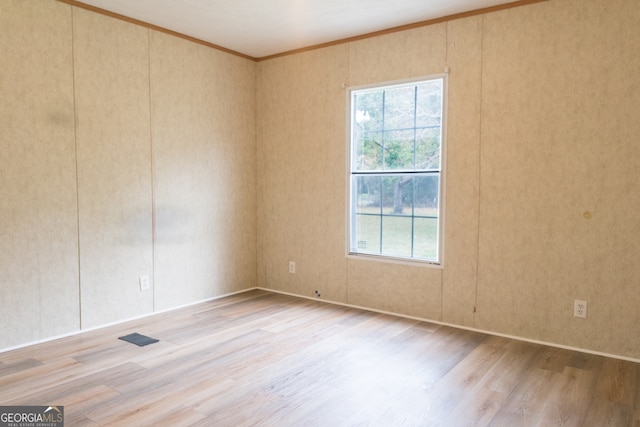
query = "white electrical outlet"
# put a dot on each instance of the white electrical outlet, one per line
(144, 283)
(292, 267)
(580, 309)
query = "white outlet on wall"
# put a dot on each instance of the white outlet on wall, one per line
(580, 309)
(144, 283)
(292, 267)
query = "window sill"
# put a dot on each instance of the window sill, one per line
(394, 260)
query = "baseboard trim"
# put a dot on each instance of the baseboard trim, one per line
(404, 316)
(119, 322)
(466, 328)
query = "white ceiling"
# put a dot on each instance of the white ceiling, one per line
(260, 28)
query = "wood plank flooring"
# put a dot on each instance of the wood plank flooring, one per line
(265, 359)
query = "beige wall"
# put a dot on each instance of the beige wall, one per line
(111, 76)
(39, 287)
(543, 160)
(204, 158)
(123, 152)
(560, 163)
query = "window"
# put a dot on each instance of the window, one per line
(396, 165)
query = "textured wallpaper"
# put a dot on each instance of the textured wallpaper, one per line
(114, 167)
(38, 206)
(301, 164)
(203, 126)
(123, 153)
(560, 159)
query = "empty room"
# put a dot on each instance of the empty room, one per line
(320, 213)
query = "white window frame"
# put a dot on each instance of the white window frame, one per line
(351, 253)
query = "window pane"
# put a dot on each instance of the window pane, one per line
(397, 195)
(426, 195)
(399, 108)
(425, 237)
(399, 150)
(396, 236)
(367, 215)
(428, 148)
(367, 234)
(368, 111)
(368, 155)
(368, 194)
(429, 104)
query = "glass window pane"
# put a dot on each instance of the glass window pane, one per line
(397, 195)
(399, 150)
(428, 148)
(368, 195)
(396, 236)
(368, 154)
(429, 104)
(368, 111)
(425, 237)
(367, 237)
(399, 108)
(426, 195)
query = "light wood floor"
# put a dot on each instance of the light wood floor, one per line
(266, 359)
